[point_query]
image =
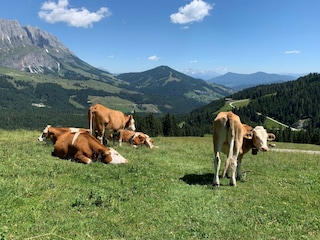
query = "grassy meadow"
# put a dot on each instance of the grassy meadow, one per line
(163, 193)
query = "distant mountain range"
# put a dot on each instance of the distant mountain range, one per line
(36, 52)
(238, 81)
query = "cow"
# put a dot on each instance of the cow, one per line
(84, 148)
(52, 133)
(136, 138)
(234, 139)
(81, 146)
(101, 118)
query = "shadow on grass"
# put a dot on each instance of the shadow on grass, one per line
(206, 179)
(198, 179)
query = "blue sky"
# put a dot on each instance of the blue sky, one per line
(241, 36)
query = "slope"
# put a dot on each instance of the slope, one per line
(294, 103)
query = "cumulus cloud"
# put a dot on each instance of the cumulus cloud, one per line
(292, 52)
(195, 11)
(153, 58)
(53, 12)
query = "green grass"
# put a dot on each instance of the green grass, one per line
(163, 193)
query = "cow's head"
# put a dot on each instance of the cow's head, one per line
(149, 142)
(45, 135)
(113, 157)
(142, 139)
(259, 138)
(130, 123)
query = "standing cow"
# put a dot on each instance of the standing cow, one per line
(235, 139)
(101, 118)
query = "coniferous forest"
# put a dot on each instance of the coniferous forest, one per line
(294, 103)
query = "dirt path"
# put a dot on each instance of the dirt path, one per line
(294, 150)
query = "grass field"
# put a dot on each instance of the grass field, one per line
(163, 193)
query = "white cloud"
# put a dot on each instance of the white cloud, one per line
(222, 70)
(194, 61)
(292, 52)
(185, 27)
(195, 11)
(53, 12)
(153, 58)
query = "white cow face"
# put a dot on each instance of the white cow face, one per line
(149, 141)
(260, 138)
(131, 125)
(44, 135)
(117, 158)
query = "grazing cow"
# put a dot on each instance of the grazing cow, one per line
(235, 139)
(102, 118)
(136, 138)
(52, 133)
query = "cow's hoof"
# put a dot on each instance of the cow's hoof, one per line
(232, 184)
(216, 184)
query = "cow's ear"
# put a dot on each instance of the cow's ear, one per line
(248, 135)
(271, 137)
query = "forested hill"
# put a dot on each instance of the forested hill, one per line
(290, 102)
(294, 103)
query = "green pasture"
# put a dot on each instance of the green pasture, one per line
(162, 193)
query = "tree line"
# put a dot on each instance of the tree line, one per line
(295, 103)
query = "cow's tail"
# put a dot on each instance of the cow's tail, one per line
(90, 118)
(231, 133)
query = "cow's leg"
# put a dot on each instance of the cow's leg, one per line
(102, 135)
(239, 173)
(216, 166)
(120, 138)
(226, 168)
(233, 168)
(82, 158)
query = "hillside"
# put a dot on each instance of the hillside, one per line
(40, 75)
(164, 82)
(294, 103)
(238, 81)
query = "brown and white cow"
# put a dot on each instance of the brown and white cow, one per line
(136, 138)
(52, 133)
(102, 118)
(81, 146)
(235, 139)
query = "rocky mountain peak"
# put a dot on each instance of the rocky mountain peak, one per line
(29, 48)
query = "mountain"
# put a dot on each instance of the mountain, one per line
(166, 82)
(202, 74)
(34, 61)
(293, 103)
(241, 81)
(33, 50)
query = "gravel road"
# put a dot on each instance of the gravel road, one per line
(294, 150)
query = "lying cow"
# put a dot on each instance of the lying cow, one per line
(101, 118)
(136, 138)
(52, 133)
(235, 139)
(81, 146)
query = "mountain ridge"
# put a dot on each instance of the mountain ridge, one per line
(239, 81)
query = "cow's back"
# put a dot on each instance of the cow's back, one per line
(103, 117)
(227, 126)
